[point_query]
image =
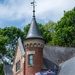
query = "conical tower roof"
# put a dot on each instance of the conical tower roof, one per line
(34, 30)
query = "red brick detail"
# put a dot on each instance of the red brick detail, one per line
(38, 61)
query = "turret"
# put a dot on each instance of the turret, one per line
(33, 44)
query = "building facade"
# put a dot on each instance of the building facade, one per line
(29, 54)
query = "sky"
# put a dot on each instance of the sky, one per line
(19, 12)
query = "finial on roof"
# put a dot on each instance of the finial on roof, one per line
(34, 30)
(33, 4)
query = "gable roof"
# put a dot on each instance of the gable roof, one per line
(68, 67)
(57, 54)
(8, 69)
(21, 46)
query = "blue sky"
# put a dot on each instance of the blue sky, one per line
(19, 12)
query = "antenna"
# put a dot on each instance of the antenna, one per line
(33, 4)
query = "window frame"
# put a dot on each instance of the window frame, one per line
(18, 64)
(30, 59)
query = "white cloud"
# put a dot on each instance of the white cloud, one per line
(45, 9)
(53, 9)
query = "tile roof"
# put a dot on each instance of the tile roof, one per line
(34, 30)
(68, 67)
(57, 54)
(8, 69)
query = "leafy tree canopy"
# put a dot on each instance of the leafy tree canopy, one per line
(2, 45)
(1, 69)
(65, 30)
(12, 33)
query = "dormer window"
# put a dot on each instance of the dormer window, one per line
(18, 66)
(30, 60)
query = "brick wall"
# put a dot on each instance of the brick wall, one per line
(38, 61)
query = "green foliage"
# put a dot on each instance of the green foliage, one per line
(65, 30)
(26, 30)
(12, 33)
(45, 33)
(50, 26)
(2, 45)
(1, 69)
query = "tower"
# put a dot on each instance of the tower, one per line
(33, 44)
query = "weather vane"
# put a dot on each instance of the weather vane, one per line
(33, 4)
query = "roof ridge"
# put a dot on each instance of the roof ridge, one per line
(21, 46)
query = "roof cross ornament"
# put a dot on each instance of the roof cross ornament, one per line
(33, 4)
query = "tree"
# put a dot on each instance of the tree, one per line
(65, 30)
(8, 40)
(45, 33)
(50, 26)
(13, 34)
(26, 28)
(2, 47)
(1, 69)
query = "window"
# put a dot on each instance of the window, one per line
(17, 66)
(30, 59)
